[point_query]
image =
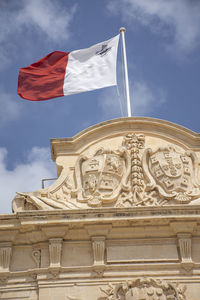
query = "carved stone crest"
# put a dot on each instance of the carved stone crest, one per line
(125, 177)
(173, 174)
(144, 289)
(102, 177)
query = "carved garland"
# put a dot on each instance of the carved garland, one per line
(144, 288)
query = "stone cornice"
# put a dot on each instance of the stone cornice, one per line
(101, 215)
(67, 146)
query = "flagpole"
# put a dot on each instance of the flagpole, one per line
(122, 31)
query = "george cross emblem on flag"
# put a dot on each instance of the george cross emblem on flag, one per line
(104, 50)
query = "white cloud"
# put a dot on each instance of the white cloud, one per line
(48, 19)
(46, 16)
(25, 177)
(10, 109)
(144, 101)
(175, 19)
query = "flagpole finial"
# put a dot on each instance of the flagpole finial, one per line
(122, 29)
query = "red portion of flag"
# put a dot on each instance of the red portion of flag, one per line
(44, 79)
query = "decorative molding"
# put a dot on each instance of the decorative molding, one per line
(98, 229)
(36, 255)
(156, 127)
(183, 227)
(52, 232)
(55, 250)
(134, 143)
(5, 256)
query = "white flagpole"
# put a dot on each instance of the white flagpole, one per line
(122, 31)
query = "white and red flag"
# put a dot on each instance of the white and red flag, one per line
(65, 73)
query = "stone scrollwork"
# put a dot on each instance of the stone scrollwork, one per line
(57, 196)
(36, 255)
(125, 177)
(145, 289)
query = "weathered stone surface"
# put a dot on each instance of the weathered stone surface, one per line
(122, 221)
(102, 246)
(122, 163)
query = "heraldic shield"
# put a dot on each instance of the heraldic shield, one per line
(174, 174)
(102, 177)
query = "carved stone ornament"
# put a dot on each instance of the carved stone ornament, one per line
(128, 176)
(102, 177)
(36, 255)
(144, 289)
(172, 174)
(57, 196)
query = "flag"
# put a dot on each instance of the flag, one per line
(65, 73)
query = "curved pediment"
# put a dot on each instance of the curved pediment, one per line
(122, 163)
(118, 127)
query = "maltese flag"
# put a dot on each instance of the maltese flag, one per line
(65, 73)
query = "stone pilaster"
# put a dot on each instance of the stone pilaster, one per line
(184, 232)
(5, 256)
(55, 250)
(98, 234)
(98, 246)
(185, 246)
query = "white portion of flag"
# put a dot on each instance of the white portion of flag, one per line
(91, 68)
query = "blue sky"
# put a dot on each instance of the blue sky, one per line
(163, 43)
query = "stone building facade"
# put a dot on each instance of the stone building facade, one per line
(121, 222)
